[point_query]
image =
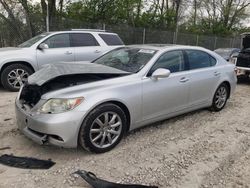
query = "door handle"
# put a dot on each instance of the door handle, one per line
(217, 73)
(184, 79)
(97, 51)
(68, 53)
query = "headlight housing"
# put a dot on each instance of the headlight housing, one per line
(55, 106)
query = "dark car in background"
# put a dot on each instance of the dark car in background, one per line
(243, 59)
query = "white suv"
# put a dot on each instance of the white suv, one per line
(16, 64)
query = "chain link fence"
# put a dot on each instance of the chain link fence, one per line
(130, 35)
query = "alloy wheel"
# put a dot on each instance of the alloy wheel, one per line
(17, 77)
(221, 97)
(105, 129)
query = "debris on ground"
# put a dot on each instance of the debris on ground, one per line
(199, 149)
(99, 183)
(25, 162)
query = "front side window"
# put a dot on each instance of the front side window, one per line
(198, 59)
(83, 39)
(172, 61)
(127, 59)
(58, 41)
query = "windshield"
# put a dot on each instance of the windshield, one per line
(33, 40)
(127, 59)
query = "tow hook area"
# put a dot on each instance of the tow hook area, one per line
(35, 136)
(44, 139)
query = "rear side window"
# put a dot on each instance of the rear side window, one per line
(83, 39)
(198, 59)
(58, 41)
(111, 40)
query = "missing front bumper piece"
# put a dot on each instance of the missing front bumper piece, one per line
(25, 162)
(95, 182)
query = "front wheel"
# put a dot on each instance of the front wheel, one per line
(103, 128)
(220, 97)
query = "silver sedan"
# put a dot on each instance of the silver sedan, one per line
(94, 104)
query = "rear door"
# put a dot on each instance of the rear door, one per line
(59, 50)
(166, 95)
(204, 76)
(85, 46)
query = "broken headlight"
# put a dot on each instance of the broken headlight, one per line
(55, 106)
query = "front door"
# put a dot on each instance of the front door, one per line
(59, 50)
(166, 95)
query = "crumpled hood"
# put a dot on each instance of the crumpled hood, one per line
(50, 71)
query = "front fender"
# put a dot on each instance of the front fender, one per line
(132, 100)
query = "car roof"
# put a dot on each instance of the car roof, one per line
(84, 31)
(153, 46)
(226, 49)
(165, 46)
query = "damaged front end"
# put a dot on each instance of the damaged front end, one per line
(62, 75)
(55, 128)
(31, 94)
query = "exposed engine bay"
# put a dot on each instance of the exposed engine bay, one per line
(31, 93)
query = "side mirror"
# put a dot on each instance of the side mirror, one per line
(161, 73)
(43, 46)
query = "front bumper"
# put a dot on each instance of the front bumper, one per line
(56, 129)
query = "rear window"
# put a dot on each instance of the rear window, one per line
(199, 59)
(111, 40)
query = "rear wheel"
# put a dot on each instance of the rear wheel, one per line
(103, 128)
(220, 97)
(14, 76)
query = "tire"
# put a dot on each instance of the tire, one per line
(15, 74)
(99, 136)
(220, 98)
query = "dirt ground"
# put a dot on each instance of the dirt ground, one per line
(199, 149)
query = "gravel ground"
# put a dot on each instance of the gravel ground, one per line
(199, 149)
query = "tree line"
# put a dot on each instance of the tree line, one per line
(27, 18)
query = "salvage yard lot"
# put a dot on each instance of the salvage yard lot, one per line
(199, 149)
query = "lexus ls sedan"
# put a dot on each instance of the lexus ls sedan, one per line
(93, 104)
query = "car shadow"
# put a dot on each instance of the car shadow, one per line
(168, 121)
(2, 90)
(242, 80)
